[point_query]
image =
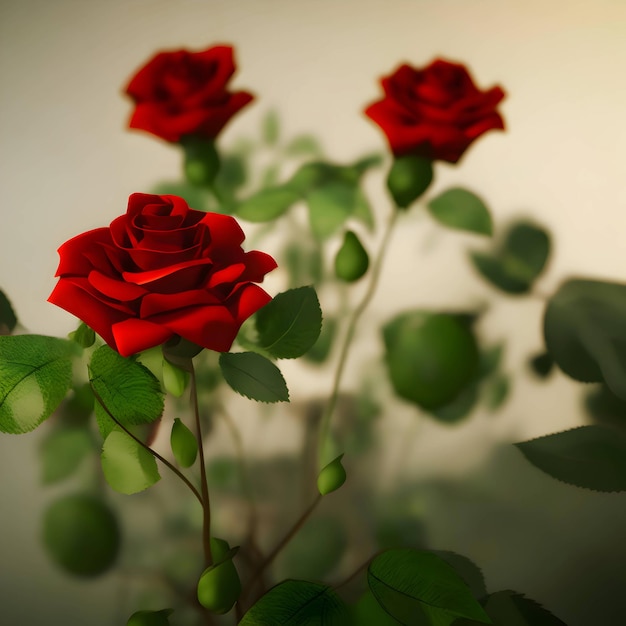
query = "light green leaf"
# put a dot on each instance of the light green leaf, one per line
(417, 587)
(585, 332)
(592, 457)
(298, 603)
(35, 376)
(362, 210)
(129, 390)
(196, 197)
(84, 336)
(266, 205)
(184, 444)
(462, 210)
(62, 451)
(303, 145)
(253, 376)
(330, 206)
(271, 128)
(290, 324)
(128, 467)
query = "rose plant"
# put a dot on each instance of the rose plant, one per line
(174, 300)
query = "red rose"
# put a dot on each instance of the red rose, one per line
(160, 270)
(184, 93)
(435, 112)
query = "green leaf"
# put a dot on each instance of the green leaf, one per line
(128, 467)
(233, 173)
(605, 407)
(84, 336)
(35, 376)
(311, 175)
(541, 364)
(298, 603)
(8, 319)
(585, 332)
(351, 261)
(290, 324)
(321, 348)
(362, 210)
(253, 376)
(508, 608)
(303, 145)
(496, 391)
(81, 535)
(331, 476)
(196, 197)
(518, 260)
(430, 357)
(467, 570)
(62, 451)
(266, 205)
(175, 379)
(184, 444)
(271, 128)
(592, 457)
(367, 612)
(408, 179)
(330, 206)
(150, 618)
(417, 587)
(129, 390)
(462, 210)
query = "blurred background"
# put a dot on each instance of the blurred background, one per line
(68, 164)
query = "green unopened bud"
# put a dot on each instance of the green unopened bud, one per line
(331, 477)
(175, 379)
(219, 586)
(150, 618)
(351, 261)
(202, 162)
(184, 444)
(84, 336)
(408, 179)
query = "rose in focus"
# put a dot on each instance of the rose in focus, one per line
(161, 270)
(435, 112)
(182, 93)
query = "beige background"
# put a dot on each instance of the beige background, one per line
(67, 164)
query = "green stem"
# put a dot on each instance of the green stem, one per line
(147, 447)
(204, 486)
(269, 559)
(356, 316)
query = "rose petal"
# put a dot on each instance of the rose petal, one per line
(72, 252)
(115, 289)
(134, 335)
(158, 303)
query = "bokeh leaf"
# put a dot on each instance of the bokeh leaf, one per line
(592, 457)
(62, 451)
(267, 204)
(8, 319)
(462, 210)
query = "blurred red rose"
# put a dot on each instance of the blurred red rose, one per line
(435, 112)
(183, 93)
(161, 270)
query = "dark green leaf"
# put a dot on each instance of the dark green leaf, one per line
(496, 391)
(290, 324)
(129, 390)
(8, 319)
(592, 457)
(430, 357)
(518, 260)
(507, 608)
(304, 264)
(459, 408)
(585, 332)
(462, 210)
(62, 452)
(81, 534)
(35, 376)
(541, 364)
(367, 612)
(127, 466)
(467, 570)
(605, 407)
(83, 336)
(150, 618)
(417, 587)
(298, 603)
(271, 128)
(233, 172)
(254, 376)
(267, 204)
(311, 175)
(321, 348)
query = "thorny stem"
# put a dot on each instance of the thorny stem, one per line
(356, 315)
(147, 447)
(206, 506)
